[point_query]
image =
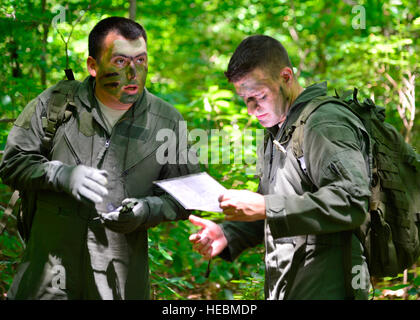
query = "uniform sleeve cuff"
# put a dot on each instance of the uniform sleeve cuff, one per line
(226, 254)
(276, 215)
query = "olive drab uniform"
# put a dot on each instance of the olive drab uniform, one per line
(310, 202)
(70, 253)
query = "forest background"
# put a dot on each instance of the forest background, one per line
(372, 45)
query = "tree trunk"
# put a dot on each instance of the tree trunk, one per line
(132, 12)
(14, 56)
(43, 67)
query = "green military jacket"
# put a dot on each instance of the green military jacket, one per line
(309, 203)
(70, 253)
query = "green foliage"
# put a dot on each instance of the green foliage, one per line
(11, 250)
(189, 46)
(251, 288)
(398, 288)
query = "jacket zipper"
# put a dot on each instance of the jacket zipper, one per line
(102, 153)
(78, 161)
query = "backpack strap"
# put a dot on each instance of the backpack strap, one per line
(57, 109)
(8, 211)
(298, 258)
(347, 264)
(57, 113)
(299, 125)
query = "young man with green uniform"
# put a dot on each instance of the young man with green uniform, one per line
(303, 207)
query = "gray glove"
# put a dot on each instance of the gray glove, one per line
(127, 218)
(82, 182)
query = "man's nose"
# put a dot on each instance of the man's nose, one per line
(252, 106)
(132, 73)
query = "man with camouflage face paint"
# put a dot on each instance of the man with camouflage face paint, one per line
(121, 70)
(306, 208)
(92, 193)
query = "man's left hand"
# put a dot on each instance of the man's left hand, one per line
(242, 205)
(127, 218)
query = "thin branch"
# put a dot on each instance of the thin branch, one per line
(5, 120)
(390, 79)
(66, 43)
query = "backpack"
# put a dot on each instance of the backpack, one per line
(390, 236)
(21, 206)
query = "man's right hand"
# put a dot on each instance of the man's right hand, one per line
(83, 182)
(210, 240)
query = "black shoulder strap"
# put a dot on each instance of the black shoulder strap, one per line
(57, 109)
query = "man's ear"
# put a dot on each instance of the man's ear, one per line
(287, 75)
(91, 65)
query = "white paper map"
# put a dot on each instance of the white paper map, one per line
(195, 191)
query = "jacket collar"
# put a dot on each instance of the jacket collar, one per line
(311, 92)
(87, 97)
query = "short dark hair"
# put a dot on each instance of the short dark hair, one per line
(257, 51)
(127, 28)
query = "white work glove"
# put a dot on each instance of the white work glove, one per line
(127, 218)
(83, 182)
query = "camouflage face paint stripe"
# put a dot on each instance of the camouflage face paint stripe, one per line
(112, 74)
